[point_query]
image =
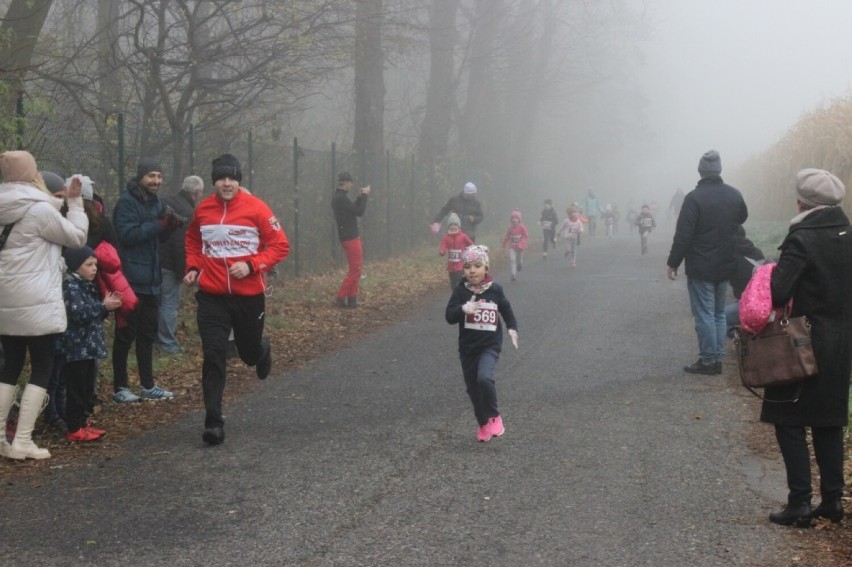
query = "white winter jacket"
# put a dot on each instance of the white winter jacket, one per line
(31, 261)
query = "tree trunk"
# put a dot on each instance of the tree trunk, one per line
(369, 90)
(526, 83)
(479, 128)
(21, 26)
(435, 130)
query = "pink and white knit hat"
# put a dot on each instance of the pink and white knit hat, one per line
(475, 253)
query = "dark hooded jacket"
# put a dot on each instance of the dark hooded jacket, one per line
(136, 218)
(705, 236)
(465, 208)
(815, 270)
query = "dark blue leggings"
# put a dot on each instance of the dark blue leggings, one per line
(478, 370)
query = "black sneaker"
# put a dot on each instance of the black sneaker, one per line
(213, 435)
(264, 365)
(718, 367)
(700, 368)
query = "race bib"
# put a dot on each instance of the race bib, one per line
(454, 255)
(646, 222)
(483, 320)
(515, 239)
(546, 225)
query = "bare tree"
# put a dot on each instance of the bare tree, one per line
(184, 62)
(369, 88)
(441, 91)
(19, 33)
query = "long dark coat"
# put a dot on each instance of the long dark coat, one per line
(815, 269)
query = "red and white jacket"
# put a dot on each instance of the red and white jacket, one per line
(222, 233)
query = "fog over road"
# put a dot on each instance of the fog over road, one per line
(612, 455)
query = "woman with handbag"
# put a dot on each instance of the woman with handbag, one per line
(815, 271)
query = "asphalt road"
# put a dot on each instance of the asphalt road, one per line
(612, 455)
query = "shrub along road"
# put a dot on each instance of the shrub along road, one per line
(612, 455)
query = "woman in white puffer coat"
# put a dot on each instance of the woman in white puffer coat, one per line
(32, 311)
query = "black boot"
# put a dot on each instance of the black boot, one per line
(698, 367)
(798, 515)
(351, 302)
(829, 509)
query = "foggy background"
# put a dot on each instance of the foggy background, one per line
(529, 99)
(735, 76)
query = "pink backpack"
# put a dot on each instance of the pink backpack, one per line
(756, 300)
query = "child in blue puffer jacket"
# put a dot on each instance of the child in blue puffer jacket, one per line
(83, 342)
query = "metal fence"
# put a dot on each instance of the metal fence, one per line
(298, 184)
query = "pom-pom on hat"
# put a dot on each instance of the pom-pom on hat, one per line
(816, 187)
(18, 165)
(226, 165)
(74, 257)
(710, 164)
(453, 219)
(53, 182)
(475, 253)
(88, 190)
(469, 188)
(145, 166)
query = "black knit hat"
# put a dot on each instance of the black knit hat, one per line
(226, 165)
(344, 177)
(145, 166)
(74, 257)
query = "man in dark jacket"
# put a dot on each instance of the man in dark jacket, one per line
(173, 262)
(346, 215)
(140, 221)
(705, 238)
(466, 207)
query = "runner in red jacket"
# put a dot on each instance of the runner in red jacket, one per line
(231, 242)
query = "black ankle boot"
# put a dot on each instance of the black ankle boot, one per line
(829, 509)
(798, 515)
(351, 302)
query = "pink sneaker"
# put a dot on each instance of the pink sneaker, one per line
(495, 426)
(483, 435)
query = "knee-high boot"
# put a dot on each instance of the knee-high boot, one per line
(32, 402)
(7, 399)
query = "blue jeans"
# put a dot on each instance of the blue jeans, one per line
(169, 304)
(707, 300)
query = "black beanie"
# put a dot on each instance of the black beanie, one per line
(74, 257)
(226, 165)
(146, 166)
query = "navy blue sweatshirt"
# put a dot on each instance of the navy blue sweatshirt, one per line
(482, 330)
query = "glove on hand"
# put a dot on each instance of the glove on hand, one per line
(513, 334)
(471, 306)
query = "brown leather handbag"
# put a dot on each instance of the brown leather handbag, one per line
(781, 354)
